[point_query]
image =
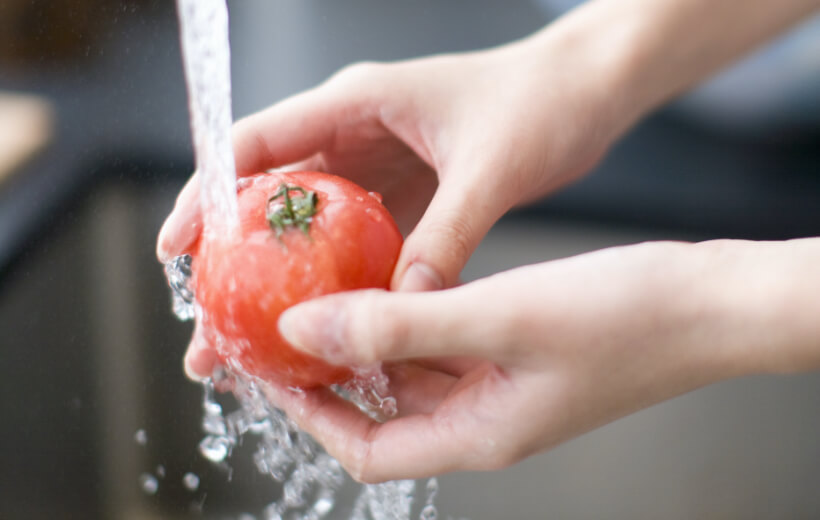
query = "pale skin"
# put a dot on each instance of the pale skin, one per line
(493, 371)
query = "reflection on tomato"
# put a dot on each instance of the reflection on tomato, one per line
(322, 234)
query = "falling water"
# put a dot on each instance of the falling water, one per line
(207, 60)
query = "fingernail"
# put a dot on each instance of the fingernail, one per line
(191, 373)
(183, 226)
(316, 329)
(163, 242)
(420, 277)
(199, 364)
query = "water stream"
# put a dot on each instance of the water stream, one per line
(310, 477)
(207, 60)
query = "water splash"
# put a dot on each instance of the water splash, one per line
(178, 273)
(391, 500)
(429, 511)
(369, 391)
(311, 478)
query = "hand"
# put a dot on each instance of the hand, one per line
(493, 371)
(451, 142)
(454, 141)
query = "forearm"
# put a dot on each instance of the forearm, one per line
(642, 52)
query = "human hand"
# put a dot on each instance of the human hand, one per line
(495, 370)
(454, 141)
(451, 142)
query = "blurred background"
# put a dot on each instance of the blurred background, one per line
(94, 146)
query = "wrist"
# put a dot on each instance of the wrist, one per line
(637, 54)
(604, 54)
(764, 305)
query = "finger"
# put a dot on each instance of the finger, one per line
(315, 163)
(453, 366)
(200, 358)
(364, 327)
(183, 226)
(451, 228)
(410, 447)
(290, 131)
(294, 130)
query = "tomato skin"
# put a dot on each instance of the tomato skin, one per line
(243, 283)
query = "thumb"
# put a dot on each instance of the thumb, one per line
(451, 228)
(363, 327)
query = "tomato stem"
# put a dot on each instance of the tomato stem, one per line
(291, 212)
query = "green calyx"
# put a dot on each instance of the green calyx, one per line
(291, 211)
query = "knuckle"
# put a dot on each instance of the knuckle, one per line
(370, 330)
(357, 463)
(357, 73)
(244, 126)
(376, 333)
(355, 467)
(455, 236)
(358, 473)
(247, 132)
(493, 454)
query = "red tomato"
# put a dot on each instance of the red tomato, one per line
(330, 235)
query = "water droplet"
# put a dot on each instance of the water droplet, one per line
(370, 392)
(432, 489)
(272, 512)
(429, 513)
(148, 484)
(323, 505)
(244, 182)
(212, 408)
(190, 481)
(389, 407)
(214, 448)
(214, 424)
(140, 437)
(160, 471)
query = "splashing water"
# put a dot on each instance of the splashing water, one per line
(311, 478)
(429, 511)
(178, 273)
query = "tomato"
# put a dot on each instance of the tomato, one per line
(321, 235)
